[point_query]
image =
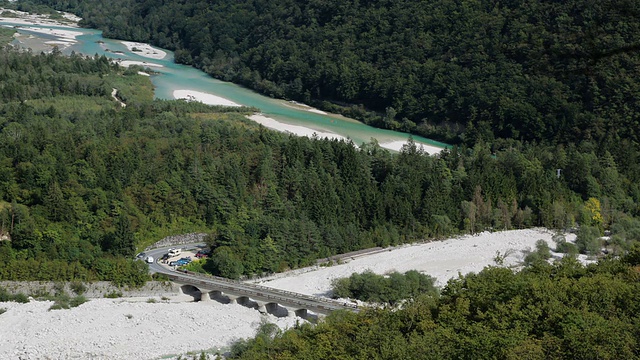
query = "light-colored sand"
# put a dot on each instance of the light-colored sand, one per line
(122, 329)
(304, 131)
(127, 63)
(293, 129)
(298, 105)
(145, 50)
(209, 99)
(59, 42)
(440, 259)
(398, 144)
(65, 38)
(21, 17)
(69, 35)
(135, 329)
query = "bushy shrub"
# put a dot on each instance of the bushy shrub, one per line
(563, 246)
(113, 295)
(77, 301)
(541, 253)
(78, 287)
(371, 287)
(6, 296)
(588, 240)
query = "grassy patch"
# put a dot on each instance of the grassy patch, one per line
(78, 287)
(62, 300)
(132, 88)
(6, 296)
(113, 295)
(6, 36)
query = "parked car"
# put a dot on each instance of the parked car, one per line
(141, 256)
(174, 252)
(180, 262)
(150, 259)
(165, 257)
(186, 258)
(202, 254)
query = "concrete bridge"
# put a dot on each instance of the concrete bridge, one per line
(264, 299)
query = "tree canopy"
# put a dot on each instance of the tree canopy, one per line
(557, 72)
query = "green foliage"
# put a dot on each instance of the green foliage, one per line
(565, 247)
(6, 296)
(541, 253)
(113, 295)
(85, 182)
(78, 287)
(561, 311)
(6, 35)
(390, 289)
(633, 256)
(588, 240)
(159, 277)
(3, 310)
(62, 300)
(540, 71)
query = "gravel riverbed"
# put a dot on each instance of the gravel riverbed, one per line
(165, 327)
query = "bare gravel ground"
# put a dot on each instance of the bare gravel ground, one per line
(134, 328)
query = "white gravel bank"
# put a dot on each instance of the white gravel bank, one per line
(135, 329)
(123, 329)
(440, 259)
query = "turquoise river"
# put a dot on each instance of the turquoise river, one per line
(172, 76)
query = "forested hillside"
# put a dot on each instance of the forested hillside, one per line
(67, 166)
(84, 181)
(82, 178)
(548, 71)
(560, 311)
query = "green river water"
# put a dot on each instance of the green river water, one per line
(172, 76)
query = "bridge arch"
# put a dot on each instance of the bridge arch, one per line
(220, 297)
(248, 302)
(307, 315)
(191, 291)
(276, 309)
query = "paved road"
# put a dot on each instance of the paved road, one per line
(238, 288)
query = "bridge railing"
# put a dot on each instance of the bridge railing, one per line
(235, 285)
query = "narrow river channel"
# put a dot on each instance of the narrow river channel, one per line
(171, 76)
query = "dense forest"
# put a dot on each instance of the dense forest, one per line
(85, 182)
(81, 177)
(457, 71)
(559, 311)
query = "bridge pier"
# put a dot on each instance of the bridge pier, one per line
(291, 312)
(267, 301)
(301, 313)
(262, 307)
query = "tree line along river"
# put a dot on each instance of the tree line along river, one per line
(170, 76)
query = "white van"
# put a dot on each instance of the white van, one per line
(174, 252)
(150, 259)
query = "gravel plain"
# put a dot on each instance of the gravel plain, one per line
(171, 325)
